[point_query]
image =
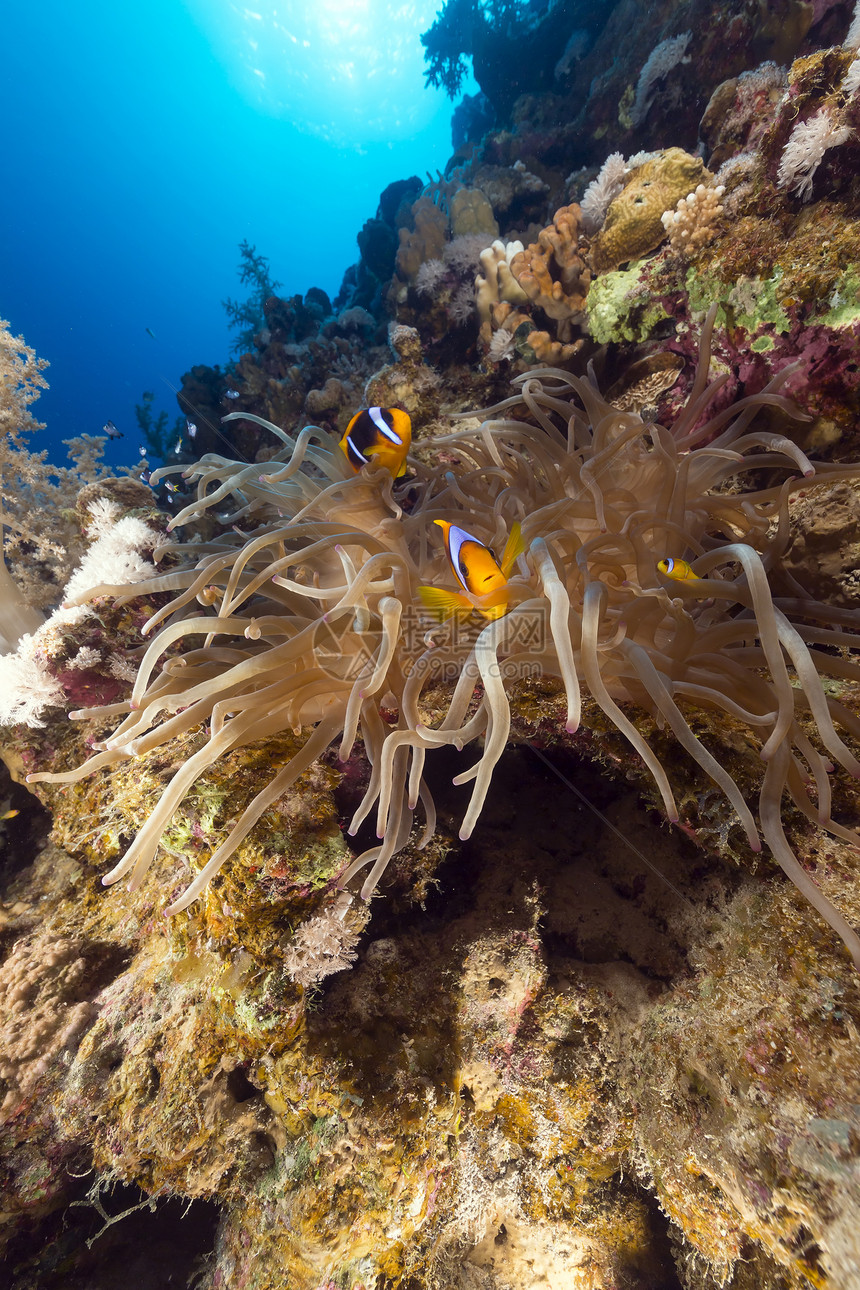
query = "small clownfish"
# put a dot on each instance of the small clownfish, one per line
(476, 569)
(382, 435)
(680, 570)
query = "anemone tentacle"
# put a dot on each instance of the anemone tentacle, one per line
(313, 619)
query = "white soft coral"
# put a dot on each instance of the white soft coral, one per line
(805, 149)
(115, 558)
(26, 685)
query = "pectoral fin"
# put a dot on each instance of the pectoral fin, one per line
(444, 603)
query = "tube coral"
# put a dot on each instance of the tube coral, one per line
(312, 619)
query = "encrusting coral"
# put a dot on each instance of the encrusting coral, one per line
(311, 619)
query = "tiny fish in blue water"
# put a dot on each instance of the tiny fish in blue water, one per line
(111, 430)
(191, 428)
(231, 394)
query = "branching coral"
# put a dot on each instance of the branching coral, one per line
(312, 619)
(549, 275)
(37, 536)
(497, 282)
(692, 224)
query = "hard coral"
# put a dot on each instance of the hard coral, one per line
(472, 213)
(692, 224)
(44, 1011)
(633, 224)
(424, 241)
(317, 607)
(553, 273)
(497, 282)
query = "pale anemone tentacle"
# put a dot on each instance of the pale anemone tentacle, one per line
(592, 600)
(312, 619)
(559, 623)
(499, 720)
(774, 834)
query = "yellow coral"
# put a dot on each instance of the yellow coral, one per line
(511, 333)
(634, 221)
(497, 282)
(552, 271)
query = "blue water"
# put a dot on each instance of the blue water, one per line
(142, 144)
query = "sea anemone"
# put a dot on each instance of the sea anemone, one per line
(312, 619)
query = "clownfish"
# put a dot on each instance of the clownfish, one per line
(680, 570)
(476, 569)
(382, 435)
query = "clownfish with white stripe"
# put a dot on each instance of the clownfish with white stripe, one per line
(379, 435)
(680, 570)
(478, 572)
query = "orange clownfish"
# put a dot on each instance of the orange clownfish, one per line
(680, 570)
(382, 435)
(476, 569)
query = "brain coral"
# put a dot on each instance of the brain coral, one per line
(634, 224)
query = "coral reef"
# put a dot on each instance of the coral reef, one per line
(574, 1047)
(634, 221)
(40, 541)
(553, 274)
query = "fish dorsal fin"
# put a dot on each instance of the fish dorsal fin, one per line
(514, 548)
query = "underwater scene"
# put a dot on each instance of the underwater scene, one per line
(430, 646)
